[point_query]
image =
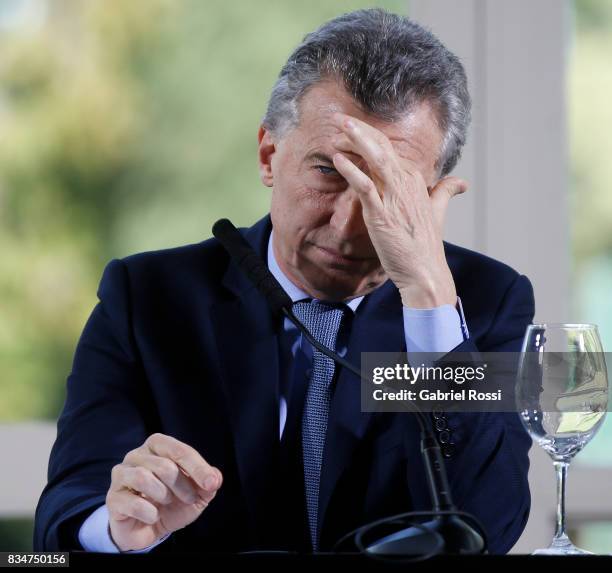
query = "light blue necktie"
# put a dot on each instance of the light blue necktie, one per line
(323, 321)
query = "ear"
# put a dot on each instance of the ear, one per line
(267, 148)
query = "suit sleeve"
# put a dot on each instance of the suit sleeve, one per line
(107, 412)
(490, 472)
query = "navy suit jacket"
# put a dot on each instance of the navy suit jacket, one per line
(181, 343)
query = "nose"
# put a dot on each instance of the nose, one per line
(347, 218)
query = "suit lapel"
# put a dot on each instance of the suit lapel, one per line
(377, 327)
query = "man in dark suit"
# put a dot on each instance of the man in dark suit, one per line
(195, 420)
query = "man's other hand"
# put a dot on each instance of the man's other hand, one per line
(159, 487)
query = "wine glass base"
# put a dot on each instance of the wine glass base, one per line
(566, 548)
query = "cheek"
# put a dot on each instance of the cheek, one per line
(289, 217)
(301, 206)
(319, 205)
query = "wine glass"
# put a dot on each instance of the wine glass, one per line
(562, 397)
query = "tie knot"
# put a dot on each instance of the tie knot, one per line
(322, 319)
(311, 308)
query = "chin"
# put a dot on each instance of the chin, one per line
(336, 280)
(336, 285)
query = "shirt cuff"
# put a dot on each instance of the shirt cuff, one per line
(94, 534)
(438, 329)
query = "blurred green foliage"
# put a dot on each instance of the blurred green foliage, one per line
(16, 534)
(590, 118)
(124, 126)
(593, 16)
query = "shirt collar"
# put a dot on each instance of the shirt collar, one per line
(291, 289)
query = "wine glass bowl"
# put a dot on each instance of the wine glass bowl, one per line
(562, 398)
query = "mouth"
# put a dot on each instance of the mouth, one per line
(336, 257)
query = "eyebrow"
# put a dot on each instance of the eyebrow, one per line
(318, 156)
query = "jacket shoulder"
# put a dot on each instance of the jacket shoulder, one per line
(473, 270)
(205, 261)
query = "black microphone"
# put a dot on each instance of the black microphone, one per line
(251, 264)
(257, 271)
(448, 525)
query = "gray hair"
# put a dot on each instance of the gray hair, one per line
(388, 63)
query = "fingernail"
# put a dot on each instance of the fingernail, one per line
(348, 123)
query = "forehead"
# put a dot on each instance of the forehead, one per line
(415, 136)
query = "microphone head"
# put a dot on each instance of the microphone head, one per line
(252, 265)
(222, 227)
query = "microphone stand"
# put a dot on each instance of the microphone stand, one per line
(458, 536)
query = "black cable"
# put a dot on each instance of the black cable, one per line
(403, 520)
(421, 419)
(437, 550)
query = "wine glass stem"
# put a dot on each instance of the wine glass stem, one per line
(561, 470)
